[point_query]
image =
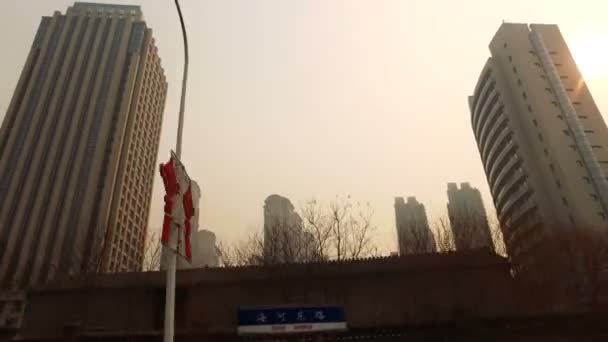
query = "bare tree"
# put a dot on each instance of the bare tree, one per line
(315, 222)
(340, 230)
(246, 252)
(284, 240)
(444, 236)
(152, 252)
(350, 230)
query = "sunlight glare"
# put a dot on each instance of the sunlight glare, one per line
(591, 55)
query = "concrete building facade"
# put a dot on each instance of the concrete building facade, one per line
(413, 232)
(78, 146)
(468, 218)
(541, 137)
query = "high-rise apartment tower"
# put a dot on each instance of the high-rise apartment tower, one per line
(542, 139)
(468, 218)
(284, 239)
(78, 146)
(413, 231)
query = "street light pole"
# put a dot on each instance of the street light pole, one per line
(182, 103)
(171, 255)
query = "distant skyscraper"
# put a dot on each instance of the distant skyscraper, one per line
(284, 240)
(542, 139)
(204, 250)
(468, 218)
(413, 231)
(78, 146)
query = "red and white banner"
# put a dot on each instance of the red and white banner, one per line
(179, 207)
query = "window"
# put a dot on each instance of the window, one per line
(596, 146)
(589, 131)
(569, 89)
(579, 163)
(537, 64)
(546, 152)
(572, 219)
(540, 137)
(552, 167)
(572, 147)
(519, 82)
(530, 108)
(565, 201)
(510, 59)
(515, 70)
(594, 197)
(558, 64)
(559, 184)
(505, 46)
(554, 103)
(582, 117)
(535, 122)
(603, 216)
(563, 77)
(548, 90)
(566, 132)
(560, 117)
(524, 95)
(552, 53)
(587, 180)
(576, 102)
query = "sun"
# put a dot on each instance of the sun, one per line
(591, 55)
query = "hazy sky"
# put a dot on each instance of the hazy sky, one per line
(318, 98)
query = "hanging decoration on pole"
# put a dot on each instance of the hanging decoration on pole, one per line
(179, 208)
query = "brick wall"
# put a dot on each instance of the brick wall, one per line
(375, 293)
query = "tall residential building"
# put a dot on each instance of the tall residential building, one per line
(468, 218)
(542, 139)
(205, 252)
(413, 231)
(284, 240)
(78, 146)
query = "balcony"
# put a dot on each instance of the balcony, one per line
(491, 164)
(492, 136)
(500, 143)
(509, 167)
(483, 97)
(485, 109)
(505, 211)
(517, 177)
(520, 212)
(494, 119)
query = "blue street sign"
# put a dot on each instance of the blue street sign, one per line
(280, 320)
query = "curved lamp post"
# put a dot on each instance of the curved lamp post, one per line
(171, 255)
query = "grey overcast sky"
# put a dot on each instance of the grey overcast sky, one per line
(318, 98)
